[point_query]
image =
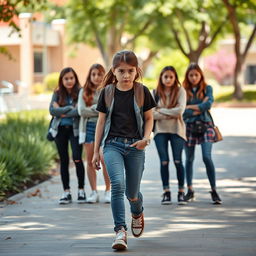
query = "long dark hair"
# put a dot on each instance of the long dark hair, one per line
(62, 91)
(174, 90)
(89, 87)
(188, 86)
(124, 56)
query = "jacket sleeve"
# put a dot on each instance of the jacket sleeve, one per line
(207, 105)
(188, 113)
(60, 110)
(83, 110)
(179, 109)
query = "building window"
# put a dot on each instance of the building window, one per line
(38, 62)
(250, 74)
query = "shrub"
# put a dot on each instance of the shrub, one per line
(51, 81)
(39, 88)
(25, 152)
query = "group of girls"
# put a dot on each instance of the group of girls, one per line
(178, 109)
(75, 118)
(115, 124)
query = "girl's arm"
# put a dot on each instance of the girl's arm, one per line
(83, 110)
(179, 109)
(159, 116)
(149, 121)
(55, 109)
(98, 137)
(207, 102)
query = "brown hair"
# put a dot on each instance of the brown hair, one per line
(124, 56)
(188, 86)
(174, 88)
(62, 91)
(89, 87)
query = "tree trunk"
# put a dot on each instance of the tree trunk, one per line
(238, 80)
(193, 57)
(145, 63)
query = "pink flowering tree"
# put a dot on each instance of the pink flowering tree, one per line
(222, 66)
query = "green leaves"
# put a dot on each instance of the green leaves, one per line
(24, 150)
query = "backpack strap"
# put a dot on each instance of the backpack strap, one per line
(139, 94)
(109, 94)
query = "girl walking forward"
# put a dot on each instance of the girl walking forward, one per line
(170, 127)
(123, 128)
(87, 102)
(199, 127)
(64, 128)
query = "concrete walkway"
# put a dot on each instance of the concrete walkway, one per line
(36, 225)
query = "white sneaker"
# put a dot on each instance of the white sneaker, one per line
(120, 242)
(107, 197)
(93, 198)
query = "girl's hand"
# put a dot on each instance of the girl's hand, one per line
(206, 99)
(96, 161)
(196, 113)
(55, 105)
(140, 144)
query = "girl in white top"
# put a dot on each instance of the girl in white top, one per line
(170, 127)
(87, 101)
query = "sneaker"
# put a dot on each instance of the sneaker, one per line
(120, 242)
(190, 196)
(66, 198)
(181, 199)
(137, 225)
(81, 198)
(166, 198)
(215, 197)
(93, 198)
(107, 197)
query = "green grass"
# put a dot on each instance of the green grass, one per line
(225, 94)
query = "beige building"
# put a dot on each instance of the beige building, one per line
(41, 49)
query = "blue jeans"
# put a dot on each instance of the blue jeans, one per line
(207, 158)
(177, 144)
(125, 167)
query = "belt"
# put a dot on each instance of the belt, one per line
(124, 140)
(66, 126)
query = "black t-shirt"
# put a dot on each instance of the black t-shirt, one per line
(123, 119)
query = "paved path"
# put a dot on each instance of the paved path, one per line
(37, 225)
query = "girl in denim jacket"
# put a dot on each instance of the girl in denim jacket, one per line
(199, 128)
(64, 129)
(87, 102)
(123, 128)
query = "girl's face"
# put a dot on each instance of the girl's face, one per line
(168, 78)
(69, 81)
(96, 77)
(125, 74)
(194, 77)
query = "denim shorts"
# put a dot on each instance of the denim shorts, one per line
(90, 132)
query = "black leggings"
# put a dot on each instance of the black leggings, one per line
(65, 133)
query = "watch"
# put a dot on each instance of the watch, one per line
(147, 140)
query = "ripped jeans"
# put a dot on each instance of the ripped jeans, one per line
(177, 144)
(125, 166)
